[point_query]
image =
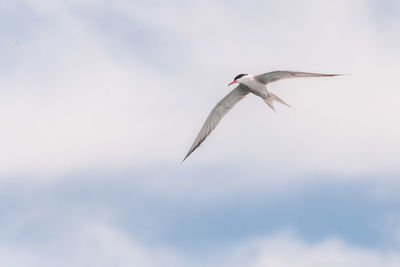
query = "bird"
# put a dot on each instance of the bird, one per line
(247, 83)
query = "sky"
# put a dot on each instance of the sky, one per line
(100, 101)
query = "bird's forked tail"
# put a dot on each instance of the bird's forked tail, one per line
(271, 98)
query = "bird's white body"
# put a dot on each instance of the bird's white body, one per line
(248, 83)
(253, 85)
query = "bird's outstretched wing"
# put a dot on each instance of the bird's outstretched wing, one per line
(274, 76)
(217, 114)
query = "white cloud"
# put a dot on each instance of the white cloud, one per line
(89, 245)
(282, 251)
(72, 102)
(100, 245)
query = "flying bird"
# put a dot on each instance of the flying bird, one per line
(247, 83)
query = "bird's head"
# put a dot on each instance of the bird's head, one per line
(237, 79)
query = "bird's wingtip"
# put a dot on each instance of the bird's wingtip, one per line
(187, 155)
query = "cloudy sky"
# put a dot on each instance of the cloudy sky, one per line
(100, 101)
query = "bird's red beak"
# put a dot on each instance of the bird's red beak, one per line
(232, 82)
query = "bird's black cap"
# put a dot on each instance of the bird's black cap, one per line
(239, 76)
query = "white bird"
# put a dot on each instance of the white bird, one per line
(247, 84)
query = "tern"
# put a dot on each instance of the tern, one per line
(247, 83)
